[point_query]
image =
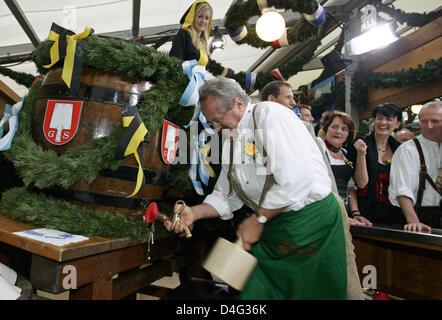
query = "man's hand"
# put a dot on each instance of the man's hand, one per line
(354, 222)
(364, 221)
(250, 231)
(417, 226)
(187, 216)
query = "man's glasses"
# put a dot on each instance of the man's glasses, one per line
(219, 120)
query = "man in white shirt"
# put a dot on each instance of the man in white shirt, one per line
(405, 170)
(296, 232)
(281, 92)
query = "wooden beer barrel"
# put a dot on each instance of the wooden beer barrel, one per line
(103, 95)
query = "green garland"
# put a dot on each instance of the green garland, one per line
(45, 169)
(412, 19)
(40, 210)
(262, 78)
(240, 11)
(22, 78)
(363, 80)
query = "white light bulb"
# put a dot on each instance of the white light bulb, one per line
(416, 108)
(270, 25)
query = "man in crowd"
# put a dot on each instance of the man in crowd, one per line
(319, 128)
(296, 232)
(306, 113)
(422, 210)
(404, 135)
(280, 92)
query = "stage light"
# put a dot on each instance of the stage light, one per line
(218, 42)
(374, 35)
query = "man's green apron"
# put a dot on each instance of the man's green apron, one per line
(301, 255)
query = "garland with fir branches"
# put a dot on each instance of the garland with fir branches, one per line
(240, 11)
(262, 78)
(44, 168)
(25, 79)
(41, 210)
(362, 80)
(413, 19)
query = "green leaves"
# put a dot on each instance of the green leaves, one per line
(363, 80)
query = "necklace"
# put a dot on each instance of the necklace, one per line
(383, 151)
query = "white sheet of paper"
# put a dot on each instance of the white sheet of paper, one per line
(8, 274)
(8, 291)
(55, 237)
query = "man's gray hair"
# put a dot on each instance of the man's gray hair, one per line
(224, 90)
(433, 104)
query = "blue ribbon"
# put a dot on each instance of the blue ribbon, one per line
(190, 96)
(319, 16)
(11, 116)
(298, 112)
(194, 159)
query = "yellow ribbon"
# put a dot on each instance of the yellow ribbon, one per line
(132, 147)
(69, 59)
(204, 150)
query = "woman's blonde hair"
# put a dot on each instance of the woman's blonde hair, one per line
(204, 39)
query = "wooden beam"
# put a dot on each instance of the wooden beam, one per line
(8, 95)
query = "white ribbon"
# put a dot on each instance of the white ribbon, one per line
(11, 116)
(191, 96)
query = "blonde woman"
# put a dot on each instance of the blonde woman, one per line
(191, 41)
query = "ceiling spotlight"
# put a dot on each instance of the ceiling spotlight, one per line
(218, 42)
(374, 35)
(270, 25)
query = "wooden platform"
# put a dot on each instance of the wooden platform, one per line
(104, 268)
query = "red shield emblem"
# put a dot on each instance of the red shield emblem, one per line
(61, 120)
(169, 141)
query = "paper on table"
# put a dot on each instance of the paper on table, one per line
(55, 237)
(8, 291)
(8, 274)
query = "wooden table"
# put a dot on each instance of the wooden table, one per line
(408, 264)
(105, 268)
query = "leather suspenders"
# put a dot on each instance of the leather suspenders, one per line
(423, 175)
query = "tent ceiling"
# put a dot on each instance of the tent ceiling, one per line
(156, 18)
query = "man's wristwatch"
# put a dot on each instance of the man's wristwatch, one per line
(261, 218)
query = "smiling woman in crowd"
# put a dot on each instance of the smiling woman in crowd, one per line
(191, 41)
(372, 156)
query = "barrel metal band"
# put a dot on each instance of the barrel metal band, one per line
(99, 199)
(91, 92)
(129, 173)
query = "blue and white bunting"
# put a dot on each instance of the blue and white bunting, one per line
(190, 97)
(10, 116)
(317, 18)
